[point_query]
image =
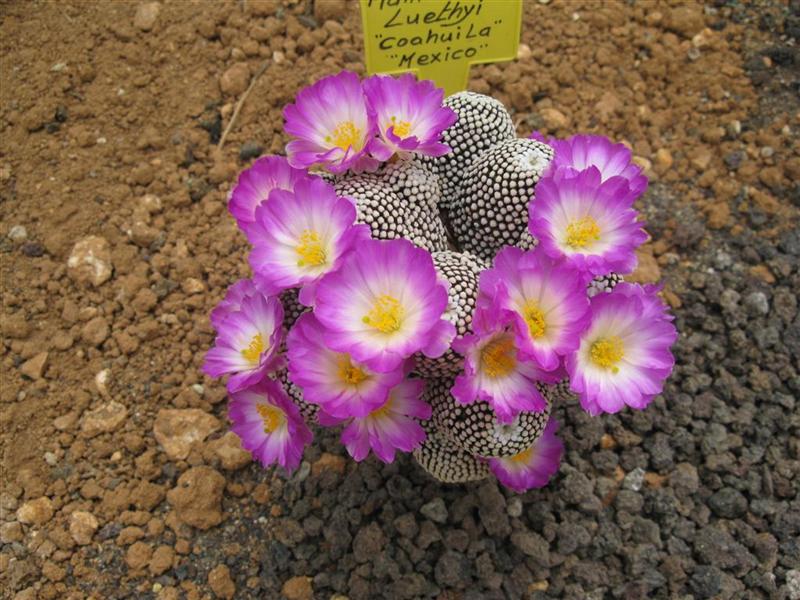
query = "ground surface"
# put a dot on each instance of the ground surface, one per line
(109, 120)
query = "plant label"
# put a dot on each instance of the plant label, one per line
(439, 39)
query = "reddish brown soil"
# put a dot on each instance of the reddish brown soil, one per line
(109, 130)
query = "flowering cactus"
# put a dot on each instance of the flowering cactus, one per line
(440, 290)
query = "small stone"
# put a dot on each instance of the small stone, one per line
(532, 544)
(452, 570)
(219, 579)
(368, 542)
(82, 526)
(15, 326)
(161, 562)
(553, 119)
(634, 480)
(178, 429)
(334, 10)
(146, 15)
(250, 150)
(36, 512)
(647, 269)
(34, 367)
(96, 331)
(435, 510)
(524, 52)
(705, 581)
(138, 555)
(663, 160)
(329, 462)
(228, 450)
(197, 498)
(11, 532)
(298, 588)
(700, 158)
(728, 503)
(235, 79)
(18, 233)
(192, 286)
(105, 419)
(89, 263)
(514, 508)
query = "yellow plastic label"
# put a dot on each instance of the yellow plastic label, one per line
(439, 39)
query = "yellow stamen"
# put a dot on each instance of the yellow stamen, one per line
(582, 232)
(348, 372)
(498, 357)
(607, 352)
(310, 250)
(381, 412)
(345, 135)
(272, 416)
(534, 318)
(401, 129)
(386, 315)
(523, 457)
(253, 352)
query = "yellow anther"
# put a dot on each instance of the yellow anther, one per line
(498, 357)
(345, 135)
(534, 318)
(272, 416)
(401, 128)
(607, 352)
(582, 232)
(523, 457)
(386, 315)
(381, 412)
(348, 372)
(310, 250)
(253, 352)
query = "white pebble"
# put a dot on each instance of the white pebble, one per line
(18, 233)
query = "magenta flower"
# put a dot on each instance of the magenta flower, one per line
(301, 235)
(332, 125)
(496, 371)
(269, 424)
(333, 380)
(531, 468)
(393, 426)
(255, 184)
(247, 343)
(409, 114)
(591, 224)
(232, 302)
(384, 304)
(545, 301)
(624, 356)
(580, 152)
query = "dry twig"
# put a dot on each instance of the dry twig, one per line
(240, 103)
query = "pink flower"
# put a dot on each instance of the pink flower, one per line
(544, 300)
(592, 225)
(384, 304)
(531, 468)
(393, 426)
(496, 371)
(333, 380)
(409, 114)
(269, 424)
(580, 152)
(624, 356)
(232, 302)
(332, 125)
(247, 343)
(301, 235)
(255, 184)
